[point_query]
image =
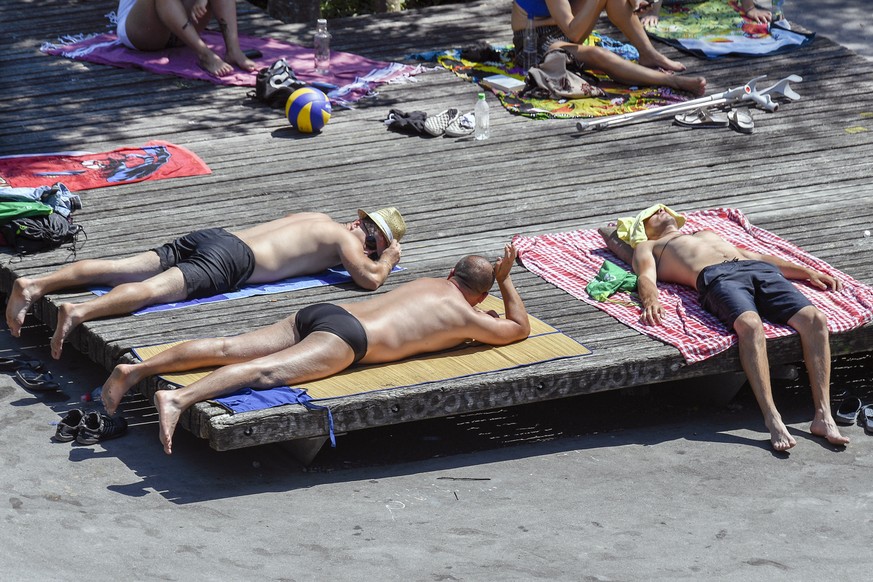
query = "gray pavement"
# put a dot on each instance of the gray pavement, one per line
(657, 484)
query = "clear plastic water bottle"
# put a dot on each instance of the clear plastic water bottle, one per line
(776, 8)
(483, 121)
(322, 48)
(529, 56)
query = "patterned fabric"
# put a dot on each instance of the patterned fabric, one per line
(355, 76)
(715, 28)
(570, 260)
(617, 98)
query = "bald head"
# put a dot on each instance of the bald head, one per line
(476, 273)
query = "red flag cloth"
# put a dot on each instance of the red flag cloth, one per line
(155, 160)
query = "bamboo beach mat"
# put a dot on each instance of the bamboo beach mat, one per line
(545, 343)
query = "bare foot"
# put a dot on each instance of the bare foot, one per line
(121, 380)
(168, 413)
(241, 61)
(824, 426)
(780, 438)
(20, 300)
(67, 320)
(694, 85)
(214, 65)
(658, 61)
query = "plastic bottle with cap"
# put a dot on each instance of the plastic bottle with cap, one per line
(483, 121)
(529, 54)
(321, 45)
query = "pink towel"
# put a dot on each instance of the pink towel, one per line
(571, 259)
(354, 74)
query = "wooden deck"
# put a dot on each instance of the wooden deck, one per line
(805, 174)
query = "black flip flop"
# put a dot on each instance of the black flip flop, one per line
(36, 381)
(847, 413)
(16, 361)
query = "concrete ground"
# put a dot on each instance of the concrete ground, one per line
(653, 484)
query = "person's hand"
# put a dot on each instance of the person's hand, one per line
(758, 15)
(643, 6)
(504, 264)
(824, 282)
(651, 314)
(198, 10)
(392, 253)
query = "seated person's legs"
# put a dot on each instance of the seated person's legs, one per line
(628, 72)
(156, 24)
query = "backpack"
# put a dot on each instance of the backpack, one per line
(274, 84)
(40, 233)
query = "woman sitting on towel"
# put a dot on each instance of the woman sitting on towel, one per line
(152, 25)
(567, 24)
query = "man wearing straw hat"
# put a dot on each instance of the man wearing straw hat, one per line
(213, 261)
(739, 287)
(421, 316)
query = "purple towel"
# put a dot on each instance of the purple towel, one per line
(353, 74)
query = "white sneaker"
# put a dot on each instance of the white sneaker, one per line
(436, 124)
(462, 126)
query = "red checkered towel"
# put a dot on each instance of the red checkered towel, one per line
(571, 259)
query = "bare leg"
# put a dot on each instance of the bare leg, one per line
(753, 356)
(630, 73)
(164, 287)
(225, 14)
(812, 326)
(151, 23)
(27, 291)
(319, 355)
(201, 353)
(622, 15)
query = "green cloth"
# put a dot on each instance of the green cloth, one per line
(12, 210)
(609, 280)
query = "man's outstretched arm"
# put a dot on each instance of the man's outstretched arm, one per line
(795, 271)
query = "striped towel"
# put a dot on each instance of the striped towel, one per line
(570, 260)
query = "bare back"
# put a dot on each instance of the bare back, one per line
(680, 258)
(421, 316)
(298, 244)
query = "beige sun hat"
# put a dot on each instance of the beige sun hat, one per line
(389, 220)
(633, 230)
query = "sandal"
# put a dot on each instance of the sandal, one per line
(701, 118)
(18, 361)
(36, 381)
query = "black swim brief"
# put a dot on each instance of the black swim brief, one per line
(731, 288)
(336, 320)
(212, 261)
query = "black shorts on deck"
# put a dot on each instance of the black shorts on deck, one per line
(212, 261)
(336, 320)
(731, 288)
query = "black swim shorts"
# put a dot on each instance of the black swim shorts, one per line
(336, 320)
(731, 288)
(212, 261)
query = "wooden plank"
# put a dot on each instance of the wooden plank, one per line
(800, 174)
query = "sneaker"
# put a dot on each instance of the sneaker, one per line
(97, 426)
(462, 126)
(69, 426)
(436, 124)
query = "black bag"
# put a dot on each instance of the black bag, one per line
(275, 84)
(40, 233)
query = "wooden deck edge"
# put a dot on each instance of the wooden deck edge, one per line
(539, 382)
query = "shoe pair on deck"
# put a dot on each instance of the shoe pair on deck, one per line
(848, 411)
(89, 428)
(450, 123)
